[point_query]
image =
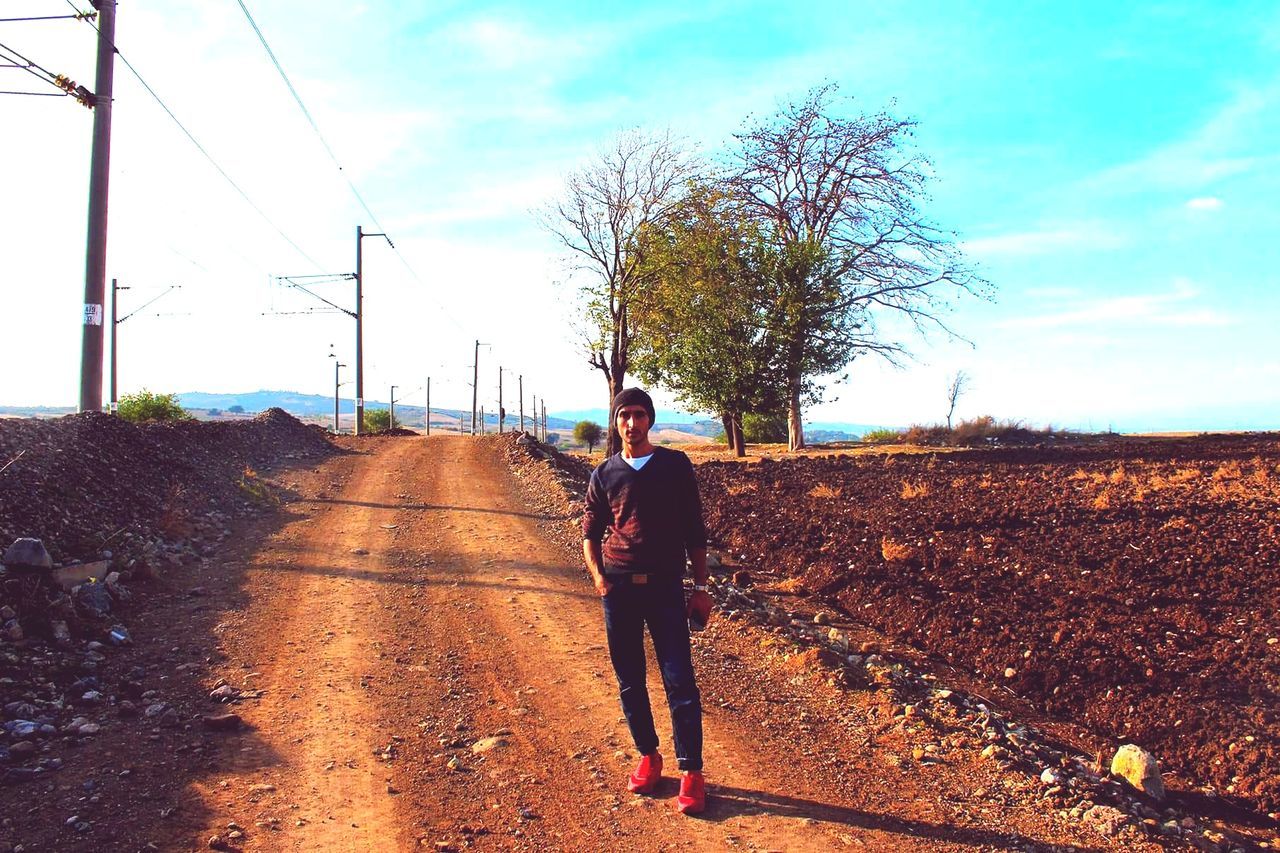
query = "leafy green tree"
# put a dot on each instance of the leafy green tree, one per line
(149, 406)
(588, 433)
(376, 420)
(839, 196)
(705, 334)
(213, 413)
(768, 428)
(237, 409)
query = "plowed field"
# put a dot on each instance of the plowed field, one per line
(1133, 587)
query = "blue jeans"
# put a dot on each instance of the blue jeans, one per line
(628, 607)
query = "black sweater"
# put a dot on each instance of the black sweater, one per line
(653, 515)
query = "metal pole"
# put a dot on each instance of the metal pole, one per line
(359, 331)
(428, 418)
(522, 402)
(336, 386)
(391, 421)
(502, 413)
(95, 271)
(115, 302)
(535, 416)
(475, 385)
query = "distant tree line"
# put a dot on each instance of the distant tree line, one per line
(743, 287)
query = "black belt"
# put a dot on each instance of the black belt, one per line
(639, 578)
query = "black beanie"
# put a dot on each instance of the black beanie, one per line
(631, 397)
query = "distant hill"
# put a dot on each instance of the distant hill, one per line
(701, 425)
(321, 405)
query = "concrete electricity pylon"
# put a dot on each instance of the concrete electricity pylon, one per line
(95, 270)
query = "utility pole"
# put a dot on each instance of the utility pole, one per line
(115, 304)
(428, 418)
(544, 420)
(475, 385)
(482, 420)
(360, 235)
(116, 320)
(337, 365)
(391, 421)
(522, 402)
(95, 271)
(502, 413)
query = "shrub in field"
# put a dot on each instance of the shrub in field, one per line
(882, 436)
(149, 406)
(376, 420)
(980, 430)
(822, 490)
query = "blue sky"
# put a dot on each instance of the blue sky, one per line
(1111, 169)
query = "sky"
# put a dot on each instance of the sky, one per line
(1111, 169)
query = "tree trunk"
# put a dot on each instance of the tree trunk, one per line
(614, 442)
(726, 420)
(795, 427)
(739, 444)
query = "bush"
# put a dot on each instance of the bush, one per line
(978, 431)
(148, 406)
(882, 436)
(236, 409)
(376, 420)
(213, 413)
(588, 433)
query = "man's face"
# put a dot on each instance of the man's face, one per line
(633, 424)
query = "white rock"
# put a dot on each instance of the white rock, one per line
(1140, 769)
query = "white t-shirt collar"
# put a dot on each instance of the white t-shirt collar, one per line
(638, 462)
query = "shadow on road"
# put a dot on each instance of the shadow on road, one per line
(724, 802)
(539, 516)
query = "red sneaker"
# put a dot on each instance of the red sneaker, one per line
(646, 775)
(693, 793)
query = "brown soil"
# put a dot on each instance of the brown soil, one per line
(1131, 587)
(406, 605)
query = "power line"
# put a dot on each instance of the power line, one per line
(77, 16)
(328, 149)
(310, 120)
(201, 148)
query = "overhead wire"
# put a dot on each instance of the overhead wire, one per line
(27, 65)
(329, 150)
(217, 166)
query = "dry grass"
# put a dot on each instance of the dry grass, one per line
(911, 490)
(895, 552)
(787, 586)
(741, 488)
(822, 490)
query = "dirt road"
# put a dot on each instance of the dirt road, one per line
(429, 671)
(418, 665)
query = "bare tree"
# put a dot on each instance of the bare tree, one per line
(959, 384)
(604, 211)
(841, 197)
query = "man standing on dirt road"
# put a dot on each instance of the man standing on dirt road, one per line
(646, 497)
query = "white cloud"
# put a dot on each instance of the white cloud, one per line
(1086, 236)
(1176, 308)
(1205, 203)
